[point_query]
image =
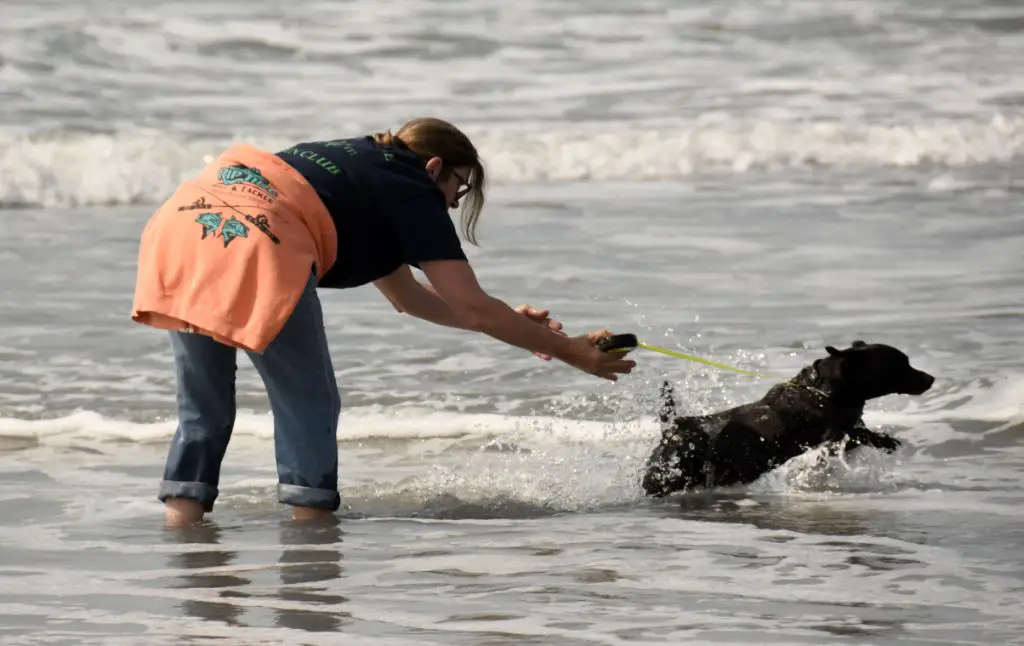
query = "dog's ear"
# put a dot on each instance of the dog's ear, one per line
(858, 344)
(830, 368)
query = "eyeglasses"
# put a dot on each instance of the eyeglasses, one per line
(465, 186)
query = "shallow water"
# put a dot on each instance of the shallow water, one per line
(747, 183)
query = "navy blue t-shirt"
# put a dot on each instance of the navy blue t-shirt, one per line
(386, 209)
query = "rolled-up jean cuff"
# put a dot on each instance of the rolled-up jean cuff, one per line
(296, 495)
(201, 492)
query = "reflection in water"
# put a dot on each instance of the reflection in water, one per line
(193, 563)
(309, 562)
(853, 531)
(802, 517)
(848, 536)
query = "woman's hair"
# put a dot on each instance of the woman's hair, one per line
(429, 137)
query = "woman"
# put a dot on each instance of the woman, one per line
(234, 258)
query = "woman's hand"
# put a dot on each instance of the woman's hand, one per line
(525, 327)
(542, 317)
(587, 357)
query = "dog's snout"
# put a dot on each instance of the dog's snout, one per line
(921, 382)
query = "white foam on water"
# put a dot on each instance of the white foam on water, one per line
(443, 463)
(999, 402)
(371, 422)
(144, 166)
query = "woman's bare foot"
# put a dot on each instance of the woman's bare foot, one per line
(183, 511)
(310, 513)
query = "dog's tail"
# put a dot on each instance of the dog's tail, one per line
(667, 410)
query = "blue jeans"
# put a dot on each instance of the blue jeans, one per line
(298, 374)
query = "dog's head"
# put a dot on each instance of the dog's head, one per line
(870, 370)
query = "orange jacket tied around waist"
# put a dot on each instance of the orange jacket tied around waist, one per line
(230, 253)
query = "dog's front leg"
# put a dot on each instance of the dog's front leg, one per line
(861, 435)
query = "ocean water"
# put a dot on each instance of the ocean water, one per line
(748, 181)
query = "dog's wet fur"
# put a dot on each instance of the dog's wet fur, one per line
(823, 404)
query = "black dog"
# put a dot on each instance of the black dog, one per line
(822, 404)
